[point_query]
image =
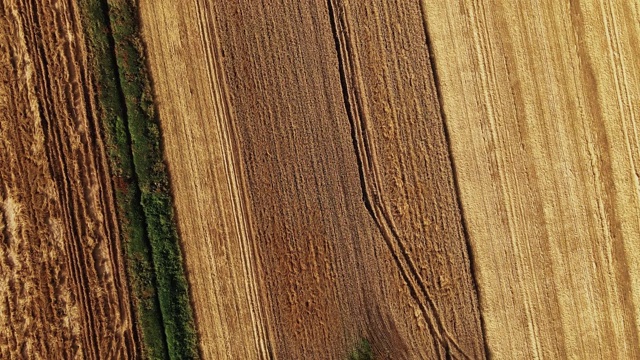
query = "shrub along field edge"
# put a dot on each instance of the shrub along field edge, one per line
(132, 136)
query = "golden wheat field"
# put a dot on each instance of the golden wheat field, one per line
(322, 179)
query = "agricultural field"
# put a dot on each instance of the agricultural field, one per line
(542, 107)
(324, 179)
(63, 285)
(298, 190)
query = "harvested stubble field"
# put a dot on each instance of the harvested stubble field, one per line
(307, 210)
(62, 279)
(348, 179)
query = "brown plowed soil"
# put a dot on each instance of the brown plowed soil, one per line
(312, 179)
(62, 286)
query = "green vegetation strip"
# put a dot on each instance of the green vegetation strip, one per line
(132, 136)
(362, 352)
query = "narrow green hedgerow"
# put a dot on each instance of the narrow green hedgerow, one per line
(130, 213)
(132, 134)
(153, 180)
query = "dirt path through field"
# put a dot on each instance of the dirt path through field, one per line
(63, 293)
(312, 179)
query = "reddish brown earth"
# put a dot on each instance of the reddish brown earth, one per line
(63, 293)
(312, 179)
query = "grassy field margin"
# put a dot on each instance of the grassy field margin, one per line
(132, 133)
